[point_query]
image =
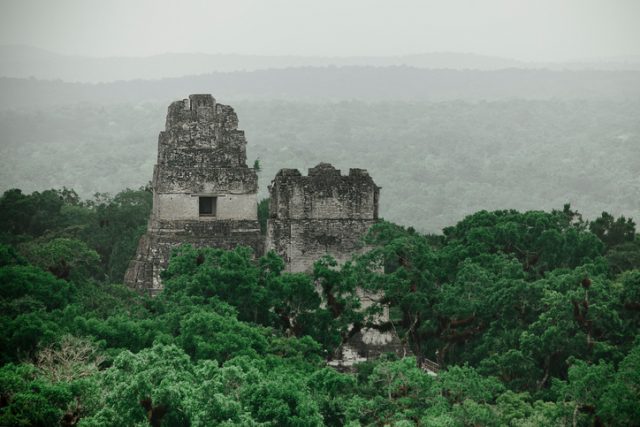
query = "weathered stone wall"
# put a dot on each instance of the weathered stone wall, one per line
(324, 194)
(201, 153)
(154, 248)
(302, 242)
(182, 206)
(322, 213)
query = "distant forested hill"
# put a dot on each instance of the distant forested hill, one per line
(436, 161)
(26, 61)
(335, 83)
(533, 316)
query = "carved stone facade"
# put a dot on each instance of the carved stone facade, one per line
(203, 192)
(205, 195)
(322, 213)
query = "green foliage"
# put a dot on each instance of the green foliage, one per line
(161, 376)
(19, 282)
(208, 335)
(540, 241)
(530, 323)
(65, 235)
(118, 331)
(263, 214)
(613, 231)
(262, 293)
(117, 226)
(230, 276)
(462, 382)
(402, 266)
(26, 216)
(9, 256)
(628, 285)
(515, 294)
(29, 399)
(625, 256)
(283, 401)
(68, 259)
(619, 401)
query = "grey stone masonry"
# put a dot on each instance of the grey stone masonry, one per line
(205, 195)
(203, 192)
(327, 213)
(322, 213)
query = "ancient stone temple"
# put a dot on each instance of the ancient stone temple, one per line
(205, 195)
(203, 192)
(322, 213)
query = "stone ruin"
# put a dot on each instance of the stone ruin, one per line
(204, 194)
(322, 213)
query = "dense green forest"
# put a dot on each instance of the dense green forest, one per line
(532, 315)
(435, 161)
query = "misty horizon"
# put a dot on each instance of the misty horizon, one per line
(538, 77)
(601, 58)
(302, 213)
(541, 31)
(25, 62)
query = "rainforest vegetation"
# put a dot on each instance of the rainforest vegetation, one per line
(532, 316)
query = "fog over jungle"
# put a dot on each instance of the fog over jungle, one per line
(162, 262)
(453, 107)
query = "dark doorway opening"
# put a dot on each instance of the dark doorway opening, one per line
(208, 206)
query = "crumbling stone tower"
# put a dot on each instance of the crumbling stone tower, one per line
(205, 195)
(322, 213)
(203, 192)
(327, 213)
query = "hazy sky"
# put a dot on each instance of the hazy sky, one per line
(520, 29)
